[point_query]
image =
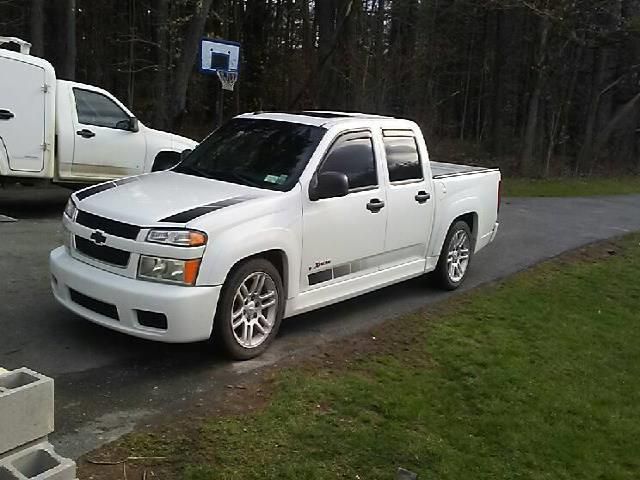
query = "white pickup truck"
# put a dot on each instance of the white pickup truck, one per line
(61, 131)
(274, 214)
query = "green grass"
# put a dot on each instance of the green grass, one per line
(570, 187)
(536, 378)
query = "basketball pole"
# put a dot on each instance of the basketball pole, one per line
(220, 105)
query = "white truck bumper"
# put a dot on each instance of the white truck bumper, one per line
(494, 232)
(178, 314)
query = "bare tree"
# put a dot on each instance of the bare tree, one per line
(184, 66)
(69, 61)
(161, 119)
(531, 128)
(37, 28)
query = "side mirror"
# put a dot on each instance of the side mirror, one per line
(328, 185)
(166, 160)
(130, 125)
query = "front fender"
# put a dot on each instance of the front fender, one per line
(246, 240)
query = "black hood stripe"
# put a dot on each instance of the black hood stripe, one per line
(124, 181)
(192, 213)
(87, 192)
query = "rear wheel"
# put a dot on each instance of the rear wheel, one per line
(455, 256)
(250, 309)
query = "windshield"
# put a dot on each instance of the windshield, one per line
(256, 152)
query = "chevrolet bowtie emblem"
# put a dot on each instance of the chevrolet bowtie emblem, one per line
(98, 237)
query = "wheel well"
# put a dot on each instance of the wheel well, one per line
(278, 259)
(470, 219)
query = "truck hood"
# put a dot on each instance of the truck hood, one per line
(166, 197)
(165, 138)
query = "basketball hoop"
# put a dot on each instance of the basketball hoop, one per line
(227, 79)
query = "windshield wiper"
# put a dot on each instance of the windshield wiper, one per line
(223, 175)
(246, 179)
(233, 177)
(185, 168)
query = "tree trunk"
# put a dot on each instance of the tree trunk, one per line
(326, 12)
(162, 38)
(531, 129)
(131, 83)
(37, 28)
(184, 67)
(324, 60)
(497, 100)
(603, 137)
(379, 58)
(254, 49)
(69, 61)
(586, 151)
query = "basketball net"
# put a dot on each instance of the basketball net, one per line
(227, 79)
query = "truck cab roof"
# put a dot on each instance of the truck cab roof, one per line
(320, 118)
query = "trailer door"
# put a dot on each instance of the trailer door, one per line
(22, 114)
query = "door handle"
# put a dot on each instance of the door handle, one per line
(375, 205)
(422, 196)
(84, 133)
(6, 115)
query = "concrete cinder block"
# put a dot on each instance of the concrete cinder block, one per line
(26, 408)
(38, 462)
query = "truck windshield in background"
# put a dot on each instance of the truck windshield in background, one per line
(260, 153)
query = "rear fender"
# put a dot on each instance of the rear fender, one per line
(446, 218)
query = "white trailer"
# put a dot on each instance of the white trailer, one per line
(64, 131)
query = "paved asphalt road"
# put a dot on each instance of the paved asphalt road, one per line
(107, 382)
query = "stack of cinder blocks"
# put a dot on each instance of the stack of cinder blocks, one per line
(26, 418)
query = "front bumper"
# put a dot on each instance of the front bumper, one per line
(189, 311)
(494, 232)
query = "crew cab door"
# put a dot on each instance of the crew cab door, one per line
(344, 236)
(105, 146)
(22, 115)
(409, 197)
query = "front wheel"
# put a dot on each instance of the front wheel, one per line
(455, 257)
(250, 310)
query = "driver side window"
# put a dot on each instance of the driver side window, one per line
(95, 109)
(353, 156)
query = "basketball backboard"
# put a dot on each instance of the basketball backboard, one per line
(219, 56)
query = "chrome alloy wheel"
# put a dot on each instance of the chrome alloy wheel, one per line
(254, 310)
(458, 256)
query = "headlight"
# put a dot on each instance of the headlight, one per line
(179, 238)
(70, 209)
(183, 272)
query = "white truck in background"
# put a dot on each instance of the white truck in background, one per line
(68, 132)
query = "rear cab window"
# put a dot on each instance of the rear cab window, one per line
(403, 156)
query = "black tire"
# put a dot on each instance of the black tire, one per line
(441, 275)
(223, 334)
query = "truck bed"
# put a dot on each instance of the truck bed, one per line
(442, 170)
